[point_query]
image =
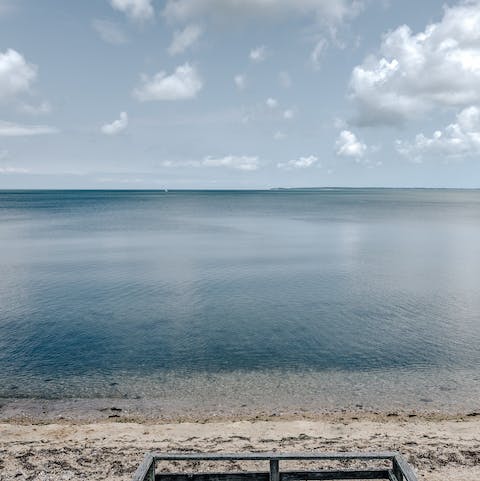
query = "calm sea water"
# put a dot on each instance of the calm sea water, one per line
(111, 293)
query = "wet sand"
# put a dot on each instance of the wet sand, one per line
(109, 442)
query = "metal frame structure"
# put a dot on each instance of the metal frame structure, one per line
(399, 469)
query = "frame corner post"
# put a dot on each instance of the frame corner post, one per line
(397, 470)
(274, 470)
(151, 470)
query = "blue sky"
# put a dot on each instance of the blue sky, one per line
(229, 94)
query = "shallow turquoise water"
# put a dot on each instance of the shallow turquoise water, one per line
(101, 288)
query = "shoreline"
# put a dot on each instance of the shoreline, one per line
(80, 410)
(173, 395)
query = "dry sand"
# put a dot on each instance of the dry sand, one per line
(439, 447)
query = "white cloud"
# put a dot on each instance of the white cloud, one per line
(317, 52)
(329, 12)
(285, 79)
(40, 109)
(238, 162)
(116, 126)
(13, 170)
(279, 135)
(181, 163)
(240, 81)
(458, 139)
(184, 83)
(272, 103)
(258, 54)
(288, 114)
(300, 163)
(348, 145)
(415, 73)
(16, 75)
(139, 10)
(339, 123)
(10, 129)
(109, 32)
(242, 162)
(183, 39)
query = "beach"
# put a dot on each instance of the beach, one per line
(112, 445)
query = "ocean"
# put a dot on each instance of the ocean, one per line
(306, 299)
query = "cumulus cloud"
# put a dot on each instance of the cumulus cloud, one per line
(184, 83)
(139, 10)
(240, 81)
(458, 139)
(330, 12)
(347, 145)
(116, 126)
(415, 73)
(109, 32)
(11, 129)
(184, 39)
(16, 75)
(300, 163)
(288, 114)
(272, 103)
(241, 162)
(258, 54)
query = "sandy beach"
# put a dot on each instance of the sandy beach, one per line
(111, 446)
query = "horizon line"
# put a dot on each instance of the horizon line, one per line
(226, 189)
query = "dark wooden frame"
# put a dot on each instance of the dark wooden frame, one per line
(400, 470)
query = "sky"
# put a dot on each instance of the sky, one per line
(222, 94)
